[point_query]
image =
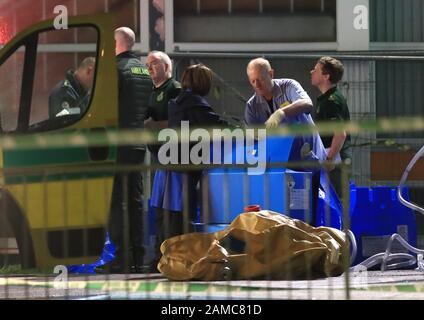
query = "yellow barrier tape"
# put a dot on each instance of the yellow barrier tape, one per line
(143, 136)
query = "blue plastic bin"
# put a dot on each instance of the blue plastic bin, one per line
(376, 214)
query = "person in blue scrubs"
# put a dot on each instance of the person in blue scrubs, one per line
(278, 102)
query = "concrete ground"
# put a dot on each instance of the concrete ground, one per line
(372, 285)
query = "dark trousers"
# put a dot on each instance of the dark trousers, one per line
(126, 216)
(315, 192)
(173, 223)
(168, 224)
(335, 176)
(190, 199)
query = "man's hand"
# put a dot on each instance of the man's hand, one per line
(275, 119)
(149, 123)
(152, 124)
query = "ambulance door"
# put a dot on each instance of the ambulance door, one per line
(57, 198)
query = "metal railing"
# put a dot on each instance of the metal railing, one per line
(62, 284)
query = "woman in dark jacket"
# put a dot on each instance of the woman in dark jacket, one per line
(191, 106)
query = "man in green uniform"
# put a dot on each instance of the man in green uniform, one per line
(166, 184)
(165, 88)
(134, 89)
(332, 106)
(72, 95)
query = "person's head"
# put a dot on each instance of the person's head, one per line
(85, 72)
(197, 78)
(260, 76)
(124, 39)
(160, 67)
(328, 71)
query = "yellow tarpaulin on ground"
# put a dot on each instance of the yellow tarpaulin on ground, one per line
(256, 245)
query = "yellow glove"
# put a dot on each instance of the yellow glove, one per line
(275, 119)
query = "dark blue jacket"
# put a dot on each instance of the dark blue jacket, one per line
(191, 107)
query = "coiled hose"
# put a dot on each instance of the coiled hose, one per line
(403, 259)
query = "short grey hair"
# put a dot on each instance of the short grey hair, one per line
(165, 59)
(127, 35)
(88, 61)
(261, 63)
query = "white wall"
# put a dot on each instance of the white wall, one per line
(353, 25)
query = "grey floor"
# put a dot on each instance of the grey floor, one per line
(372, 285)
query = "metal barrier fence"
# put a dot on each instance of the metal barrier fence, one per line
(59, 217)
(55, 215)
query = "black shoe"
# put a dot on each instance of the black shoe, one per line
(154, 266)
(146, 269)
(111, 269)
(114, 269)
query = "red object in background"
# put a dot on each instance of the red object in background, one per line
(4, 32)
(252, 208)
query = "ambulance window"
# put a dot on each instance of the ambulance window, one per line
(11, 72)
(64, 77)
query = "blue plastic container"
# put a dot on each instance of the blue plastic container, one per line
(283, 191)
(278, 189)
(376, 214)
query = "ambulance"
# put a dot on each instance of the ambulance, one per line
(57, 199)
